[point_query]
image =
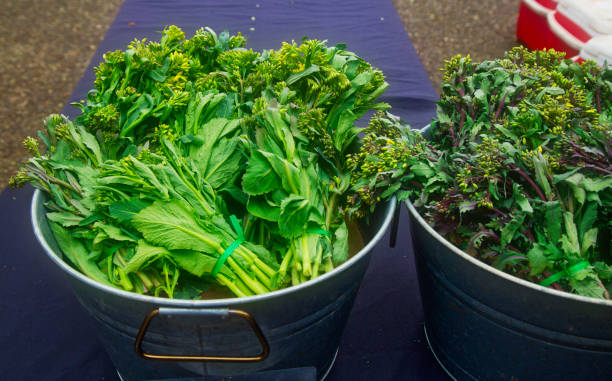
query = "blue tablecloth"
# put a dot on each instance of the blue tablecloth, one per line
(44, 332)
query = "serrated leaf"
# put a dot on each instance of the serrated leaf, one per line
(541, 177)
(549, 90)
(589, 239)
(346, 132)
(259, 177)
(552, 217)
(340, 245)
(224, 164)
(113, 232)
(571, 233)
(442, 117)
(279, 131)
(74, 250)
(93, 217)
(422, 170)
(61, 153)
(522, 201)
(288, 173)
(65, 219)
(598, 185)
(586, 283)
(481, 96)
(171, 225)
(144, 255)
(302, 74)
(124, 211)
(538, 262)
(509, 230)
(576, 184)
(261, 207)
(226, 107)
(604, 271)
(588, 217)
(391, 190)
(293, 218)
(146, 172)
(218, 156)
(90, 142)
(466, 206)
(202, 200)
(506, 132)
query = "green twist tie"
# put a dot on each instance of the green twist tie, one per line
(318, 231)
(230, 249)
(565, 273)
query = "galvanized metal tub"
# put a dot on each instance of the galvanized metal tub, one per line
(484, 324)
(296, 327)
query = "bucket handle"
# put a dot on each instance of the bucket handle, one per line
(220, 312)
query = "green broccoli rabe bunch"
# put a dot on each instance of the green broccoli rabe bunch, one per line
(392, 159)
(150, 84)
(525, 94)
(146, 222)
(198, 164)
(517, 168)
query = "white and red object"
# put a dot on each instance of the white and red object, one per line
(575, 22)
(598, 49)
(566, 25)
(532, 25)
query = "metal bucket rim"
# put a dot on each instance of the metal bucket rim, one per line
(484, 266)
(37, 198)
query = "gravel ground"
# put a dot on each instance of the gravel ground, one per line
(440, 29)
(46, 46)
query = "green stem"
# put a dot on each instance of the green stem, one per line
(263, 278)
(110, 270)
(315, 267)
(137, 122)
(139, 287)
(253, 284)
(290, 181)
(134, 180)
(243, 287)
(118, 257)
(124, 280)
(147, 283)
(330, 210)
(295, 278)
(252, 258)
(328, 265)
(195, 192)
(167, 280)
(46, 178)
(306, 267)
(125, 196)
(232, 286)
(155, 280)
(65, 184)
(282, 271)
(126, 79)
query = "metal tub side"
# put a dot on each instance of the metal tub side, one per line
(484, 324)
(302, 324)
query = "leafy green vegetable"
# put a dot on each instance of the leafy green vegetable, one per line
(516, 168)
(197, 161)
(78, 254)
